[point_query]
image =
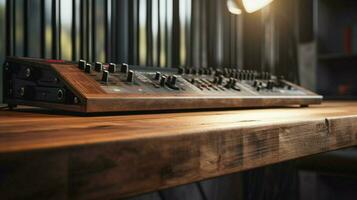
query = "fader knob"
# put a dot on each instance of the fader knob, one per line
(105, 76)
(187, 70)
(157, 76)
(229, 84)
(112, 67)
(233, 82)
(173, 80)
(220, 80)
(193, 80)
(130, 77)
(163, 81)
(200, 71)
(218, 73)
(87, 68)
(240, 75)
(124, 68)
(180, 70)
(270, 84)
(82, 64)
(98, 67)
(255, 83)
(244, 75)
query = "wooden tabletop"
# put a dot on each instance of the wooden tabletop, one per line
(52, 154)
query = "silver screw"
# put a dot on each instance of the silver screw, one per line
(28, 72)
(22, 91)
(75, 100)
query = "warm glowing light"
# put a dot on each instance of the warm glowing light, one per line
(254, 5)
(233, 7)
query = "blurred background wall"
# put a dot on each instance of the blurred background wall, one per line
(166, 33)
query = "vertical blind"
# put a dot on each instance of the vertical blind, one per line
(166, 33)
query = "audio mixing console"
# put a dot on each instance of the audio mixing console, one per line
(96, 87)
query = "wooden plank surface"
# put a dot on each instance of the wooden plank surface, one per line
(52, 154)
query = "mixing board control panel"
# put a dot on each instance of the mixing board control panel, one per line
(96, 87)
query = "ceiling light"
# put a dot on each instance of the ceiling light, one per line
(233, 7)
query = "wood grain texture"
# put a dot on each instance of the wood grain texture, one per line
(108, 157)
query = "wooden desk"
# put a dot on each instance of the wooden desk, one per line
(47, 154)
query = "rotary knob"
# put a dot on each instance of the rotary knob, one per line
(258, 88)
(270, 85)
(124, 68)
(88, 68)
(187, 70)
(112, 67)
(218, 73)
(105, 76)
(229, 83)
(82, 64)
(180, 70)
(220, 80)
(173, 80)
(163, 81)
(130, 77)
(255, 83)
(200, 71)
(157, 76)
(98, 67)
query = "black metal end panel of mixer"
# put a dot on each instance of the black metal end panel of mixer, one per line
(29, 82)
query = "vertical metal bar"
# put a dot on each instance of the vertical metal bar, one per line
(186, 18)
(74, 30)
(133, 31)
(123, 31)
(142, 35)
(162, 32)
(42, 29)
(182, 18)
(176, 34)
(99, 27)
(94, 29)
(114, 34)
(33, 28)
(82, 23)
(195, 34)
(2, 30)
(226, 43)
(203, 34)
(107, 14)
(240, 32)
(155, 31)
(89, 30)
(233, 34)
(26, 27)
(9, 33)
(65, 29)
(55, 36)
(18, 24)
(48, 29)
(2, 40)
(149, 52)
(169, 25)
